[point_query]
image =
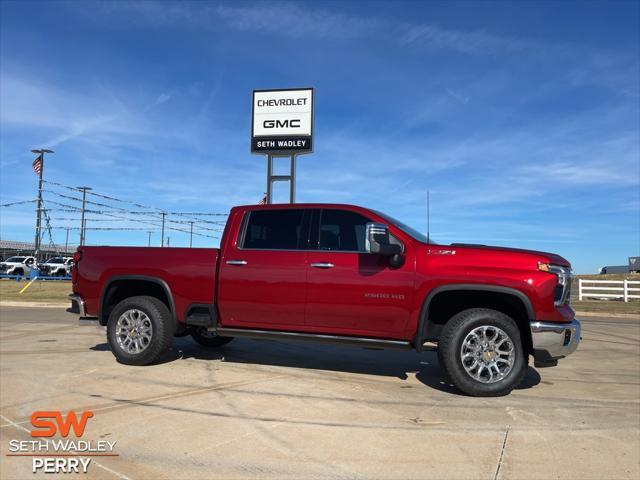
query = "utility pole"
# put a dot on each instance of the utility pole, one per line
(38, 166)
(191, 236)
(164, 214)
(82, 223)
(66, 241)
(149, 244)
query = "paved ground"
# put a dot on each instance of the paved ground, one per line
(270, 410)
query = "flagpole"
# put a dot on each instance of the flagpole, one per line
(39, 207)
(41, 151)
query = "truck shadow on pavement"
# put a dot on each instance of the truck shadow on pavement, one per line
(315, 356)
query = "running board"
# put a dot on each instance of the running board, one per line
(312, 337)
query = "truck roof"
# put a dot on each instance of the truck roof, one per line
(303, 205)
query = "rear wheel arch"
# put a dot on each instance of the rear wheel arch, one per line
(443, 303)
(120, 287)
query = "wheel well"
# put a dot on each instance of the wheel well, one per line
(118, 290)
(444, 305)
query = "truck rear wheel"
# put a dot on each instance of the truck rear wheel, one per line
(482, 353)
(139, 330)
(209, 339)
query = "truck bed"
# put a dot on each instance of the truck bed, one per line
(188, 273)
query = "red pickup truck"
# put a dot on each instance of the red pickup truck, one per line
(341, 274)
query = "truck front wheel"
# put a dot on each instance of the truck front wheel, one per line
(482, 353)
(209, 339)
(140, 330)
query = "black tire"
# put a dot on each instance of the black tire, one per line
(450, 345)
(162, 330)
(210, 340)
(18, 271)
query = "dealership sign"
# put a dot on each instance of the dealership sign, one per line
(282, 121)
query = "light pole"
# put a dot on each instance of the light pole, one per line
(38, 166)
(82, 223)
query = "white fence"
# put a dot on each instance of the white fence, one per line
(609, 289)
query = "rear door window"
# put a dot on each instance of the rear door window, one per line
(276, 230)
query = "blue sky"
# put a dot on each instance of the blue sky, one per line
(522, 119)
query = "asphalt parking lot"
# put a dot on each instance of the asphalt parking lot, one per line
(271, 410)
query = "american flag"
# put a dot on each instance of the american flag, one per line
(37, 165)
(263, 200)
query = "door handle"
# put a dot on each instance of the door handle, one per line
(236, 262)
(323, 265)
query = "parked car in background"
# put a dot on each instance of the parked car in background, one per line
(56, 267)
(18, 266)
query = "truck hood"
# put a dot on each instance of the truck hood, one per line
(470, 260)
(545, 257)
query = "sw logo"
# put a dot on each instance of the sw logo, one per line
(48, 423)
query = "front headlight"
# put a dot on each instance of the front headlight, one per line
(563, 288)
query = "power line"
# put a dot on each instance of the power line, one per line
(148, 216)
(115, 199)
(21, 202)
(129, 229)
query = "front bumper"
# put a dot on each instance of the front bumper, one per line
(553, 341)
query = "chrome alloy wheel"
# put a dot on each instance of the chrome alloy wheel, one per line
(487, 354)
(134, 331)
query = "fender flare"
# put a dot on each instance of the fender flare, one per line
(423, 321)
(144, 278)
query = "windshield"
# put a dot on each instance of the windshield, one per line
(412, 232)
(15, 259)
(55, 260)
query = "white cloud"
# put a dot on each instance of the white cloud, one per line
(163, 97)
(467, 42)
(292, 20)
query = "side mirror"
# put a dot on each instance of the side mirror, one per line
(378, 241)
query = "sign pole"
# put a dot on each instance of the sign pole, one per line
(292, 180)
(269, 178)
